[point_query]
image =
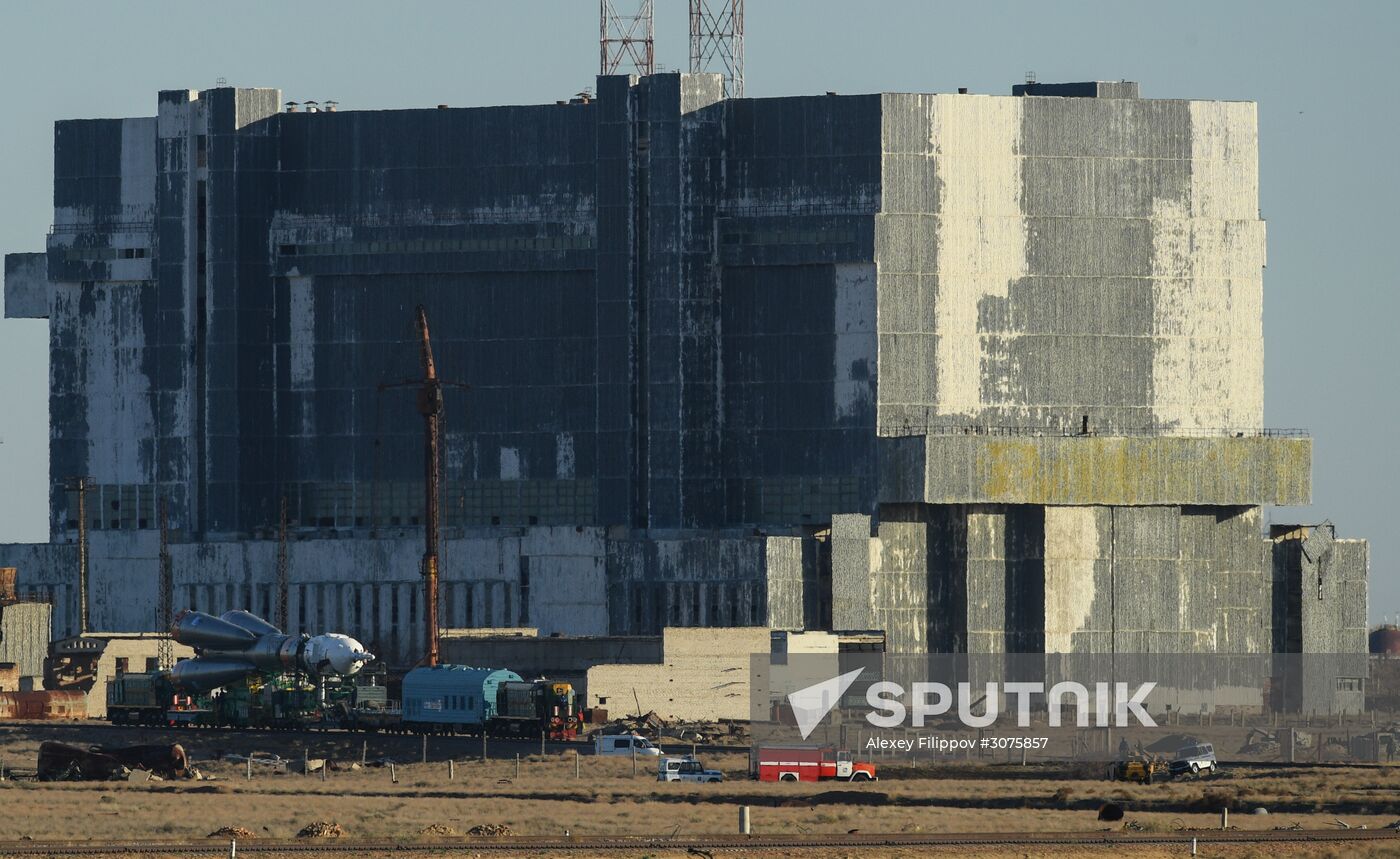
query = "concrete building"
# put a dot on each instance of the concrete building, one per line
(984, 372)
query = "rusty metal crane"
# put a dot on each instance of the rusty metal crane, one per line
(430, 407)
(429, 401)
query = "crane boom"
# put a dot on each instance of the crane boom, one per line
(430, 407)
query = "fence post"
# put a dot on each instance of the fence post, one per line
(364, 752)
(451, 769)
(305, 763)
(393, 776)
(517, 765)
(1224, 818)
(634, 760)
(541, 742)
(425, 748)
(250, 766)
(575, 763)
(743, 820)
(483, 744)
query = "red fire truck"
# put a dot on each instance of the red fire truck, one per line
(809, 763)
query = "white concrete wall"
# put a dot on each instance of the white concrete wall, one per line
(705, 676)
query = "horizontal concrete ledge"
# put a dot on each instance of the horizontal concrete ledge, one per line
(1120, 470)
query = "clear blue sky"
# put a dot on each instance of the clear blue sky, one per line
(1324, 76)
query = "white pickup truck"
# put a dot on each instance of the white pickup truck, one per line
(624, 744)
(685, 769)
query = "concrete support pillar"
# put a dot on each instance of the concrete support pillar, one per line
(851, 588)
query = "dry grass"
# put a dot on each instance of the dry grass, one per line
(546, 799)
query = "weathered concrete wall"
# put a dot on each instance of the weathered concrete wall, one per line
(659, 581)
(1319, 586)
(1154, 579)
(1041, 259)
(25, 632)
(788, 574)
(1073, 470)
(899, 581)
(563, 579)
(852, 584)
(369, 589)
(705, 676)
(26, 286)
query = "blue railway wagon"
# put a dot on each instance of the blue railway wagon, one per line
(452, 697)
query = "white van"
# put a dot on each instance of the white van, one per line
(685, 769)
(624, 744)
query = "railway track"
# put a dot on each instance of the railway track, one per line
(604, 845)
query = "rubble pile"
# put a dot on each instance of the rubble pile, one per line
(231, 832)
(490, 830)
(656, 727)
(322, 829)
(438, 829)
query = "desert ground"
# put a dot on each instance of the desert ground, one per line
(542, 796)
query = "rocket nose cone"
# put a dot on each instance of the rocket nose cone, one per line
(343, 654)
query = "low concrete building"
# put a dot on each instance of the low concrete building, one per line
(703, 676)
(86, 663)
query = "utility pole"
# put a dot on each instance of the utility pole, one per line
(165, 648)
(282, 571)
(81, 485)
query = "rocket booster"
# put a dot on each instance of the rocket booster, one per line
(238, 643)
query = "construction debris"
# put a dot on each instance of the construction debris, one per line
(62, 762)
(490, 830)
(322, 829)
(440, 830)
(236, 832)
(307, 766)
(166, 761)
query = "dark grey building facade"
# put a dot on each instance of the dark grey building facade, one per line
(958, 367)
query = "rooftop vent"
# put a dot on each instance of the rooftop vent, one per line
(292, 106)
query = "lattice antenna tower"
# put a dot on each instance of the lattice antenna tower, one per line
(717, 41)
(626, 38)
